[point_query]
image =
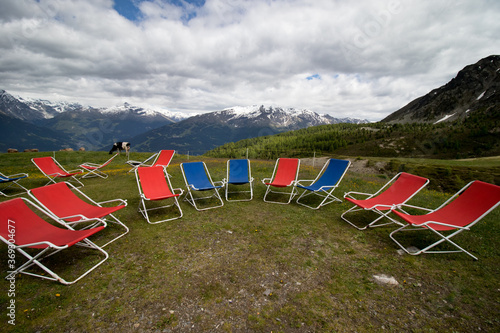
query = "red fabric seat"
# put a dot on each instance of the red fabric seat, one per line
(397, 191)
(154, 184)
(464, 209)
(63, 202)
(21, 227)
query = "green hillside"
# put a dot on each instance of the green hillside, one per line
(475, 136)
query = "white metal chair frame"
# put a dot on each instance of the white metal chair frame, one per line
(93, 169)
(428, 226)
(53, 176)
(189, 194)
(324, 191)
(291, 194)
(228, 182)
(83, 218)
(144, 210)
(51, 249)
(13, 180)
(375, 209)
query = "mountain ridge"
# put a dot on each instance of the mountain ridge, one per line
(475, 88)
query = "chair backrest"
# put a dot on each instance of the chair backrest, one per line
(164, 157)
(286, 172)
(402, 190)
(153, 182)
(333, 173)
(109, 161)
(60, 199)
(4, 179)
(48, 165)
(238, 171)
(29, 227)
(476, 201)
(196, 175)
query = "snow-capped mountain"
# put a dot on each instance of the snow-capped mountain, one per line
(203, 132)
(274, 116)
(32, 110)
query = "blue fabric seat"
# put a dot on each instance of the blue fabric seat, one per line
(239, 173)
(197, 178)
(325, 183)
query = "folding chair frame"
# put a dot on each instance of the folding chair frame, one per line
(190, 187)
(65, 174)
(378, 209)
(268, 183)
(47, 249)
(156, 156)
(81, 218)
(144, 210)
(12, 180)
(93, 169)
(229, 181)
(324, 191)
(428, 226)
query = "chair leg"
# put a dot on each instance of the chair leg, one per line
(427, 249)
(192, 200)
(327, 196)
(36, 260)
(144, 211)
(372, 224)
(291, 195)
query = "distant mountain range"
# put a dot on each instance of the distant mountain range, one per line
(45, 125)
(204, 132)
(475, 88)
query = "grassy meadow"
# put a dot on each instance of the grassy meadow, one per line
(260, 267)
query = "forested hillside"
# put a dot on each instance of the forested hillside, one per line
(478, 135)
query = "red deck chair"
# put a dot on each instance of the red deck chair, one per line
(24, 231)
(397, 191)
(464, 209)
(53, 170)
(94, 170)
(154, 185)
(284, 175)
(162, 158)
(73, 207)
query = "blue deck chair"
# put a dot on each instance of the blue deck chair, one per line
(239, 173)
(198, 178)
(12, 180)
(326, 182)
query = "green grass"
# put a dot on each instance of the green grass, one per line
(255, 266)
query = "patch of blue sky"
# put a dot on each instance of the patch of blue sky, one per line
(314, 76)
(130, 8)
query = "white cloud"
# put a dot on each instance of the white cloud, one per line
(370, 57)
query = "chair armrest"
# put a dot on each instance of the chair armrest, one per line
(123, 202)
(178, 189)
(400, 207)
(49, 245)
(75, 171)
(18, 175)
(298, 182)
(266, 180)
(94, 165)
(349, 194)
(221, 182)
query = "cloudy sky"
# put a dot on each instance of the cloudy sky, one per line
(363, 58)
